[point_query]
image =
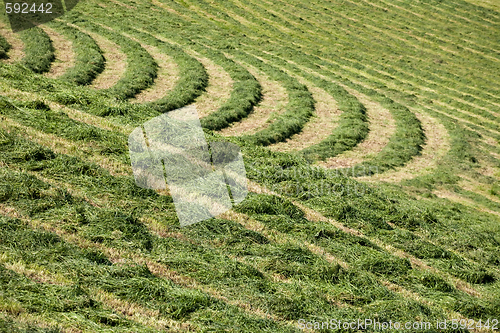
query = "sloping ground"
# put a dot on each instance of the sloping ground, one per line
(82, 248)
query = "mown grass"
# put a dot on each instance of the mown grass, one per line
(89, 61)
(4, 48)
(391, 252)
(38, 50)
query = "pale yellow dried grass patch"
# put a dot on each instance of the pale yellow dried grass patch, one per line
(168, 74)
(74, 114)
(218, 91)
(116, 62)
(16, 53)
(436, 147)
(273, 103)
(382, 127)
(445, 194)
(491, 4)
(319, 127)
(65, 57)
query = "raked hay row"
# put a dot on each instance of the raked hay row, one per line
(370, 133)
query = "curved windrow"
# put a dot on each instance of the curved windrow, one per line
(38, 50)
(89, 61)
(352, 126)
(141, 68)
(299, 109)
(4, 48)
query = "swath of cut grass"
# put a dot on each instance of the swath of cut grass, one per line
(63, 52)
(382, 126)
(168, 74)
(115, 66)
(436, 146)
(324, 121)
(273, 103)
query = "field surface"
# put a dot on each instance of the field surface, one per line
(370, 131)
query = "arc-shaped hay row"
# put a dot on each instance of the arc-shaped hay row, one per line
(141, 68)
(64, 56)
(299, 108)
(141, 240)
(408, 138)
(246, 91)
(4, 48)
(193, 77)
(76, 303)
(89, 61)
(38, 50)
(352, 127)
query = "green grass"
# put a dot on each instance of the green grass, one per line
(38, 50)
(89, 61)
(4, 48)
(388, 251)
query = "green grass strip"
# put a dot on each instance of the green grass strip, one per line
(299, 109)
(38, 115)
(247, 92)
(38, 50)
(4, 47)
(89, 60)
(141, 67)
